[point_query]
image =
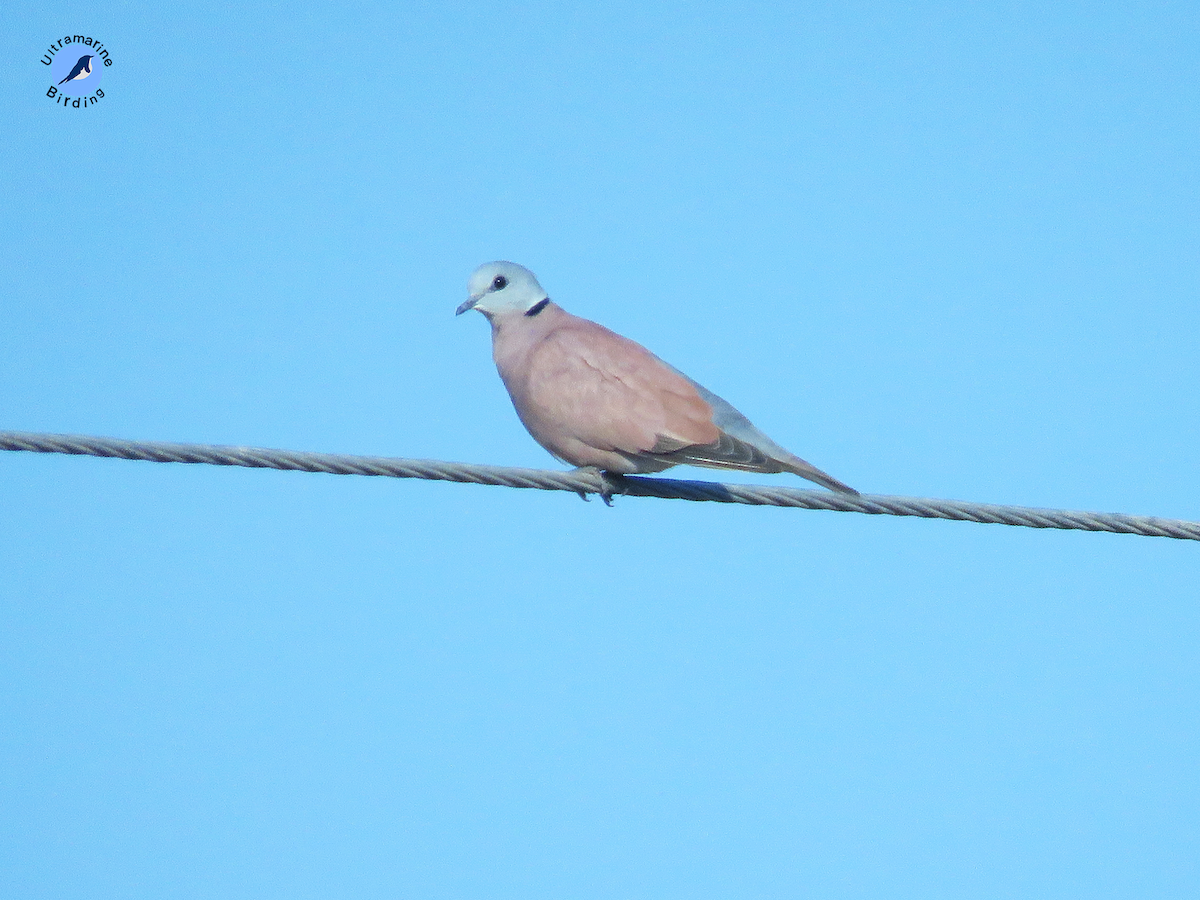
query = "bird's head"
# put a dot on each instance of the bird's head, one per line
(499, 288)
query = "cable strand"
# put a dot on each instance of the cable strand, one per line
(585, 482)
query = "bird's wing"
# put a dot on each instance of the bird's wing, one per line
(593, 385)
(614, 394)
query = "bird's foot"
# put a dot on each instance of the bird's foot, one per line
(605, 492)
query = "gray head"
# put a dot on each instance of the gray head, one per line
(497, 288)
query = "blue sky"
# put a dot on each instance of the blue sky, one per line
(938, 251)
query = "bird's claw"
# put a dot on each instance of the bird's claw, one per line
(604, 492)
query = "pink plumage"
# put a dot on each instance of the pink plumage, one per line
(594, 398)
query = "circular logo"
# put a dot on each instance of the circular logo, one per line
(76, 71)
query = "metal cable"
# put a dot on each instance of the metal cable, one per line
(584, 482)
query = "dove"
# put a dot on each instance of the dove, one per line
(597, 400)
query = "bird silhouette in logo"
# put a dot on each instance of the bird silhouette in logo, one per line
(80, 70)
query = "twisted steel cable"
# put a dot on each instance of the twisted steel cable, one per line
(584, 482)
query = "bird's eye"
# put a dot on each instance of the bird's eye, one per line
(499, 283)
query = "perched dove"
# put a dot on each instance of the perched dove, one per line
(594, 398)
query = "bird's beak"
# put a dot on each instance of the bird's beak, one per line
(469, 303)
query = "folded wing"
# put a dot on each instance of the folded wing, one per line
(615, 396)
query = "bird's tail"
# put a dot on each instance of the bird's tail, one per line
(812, 473)
(729, 452)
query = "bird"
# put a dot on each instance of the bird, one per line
(82, 69)
(600, 401)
